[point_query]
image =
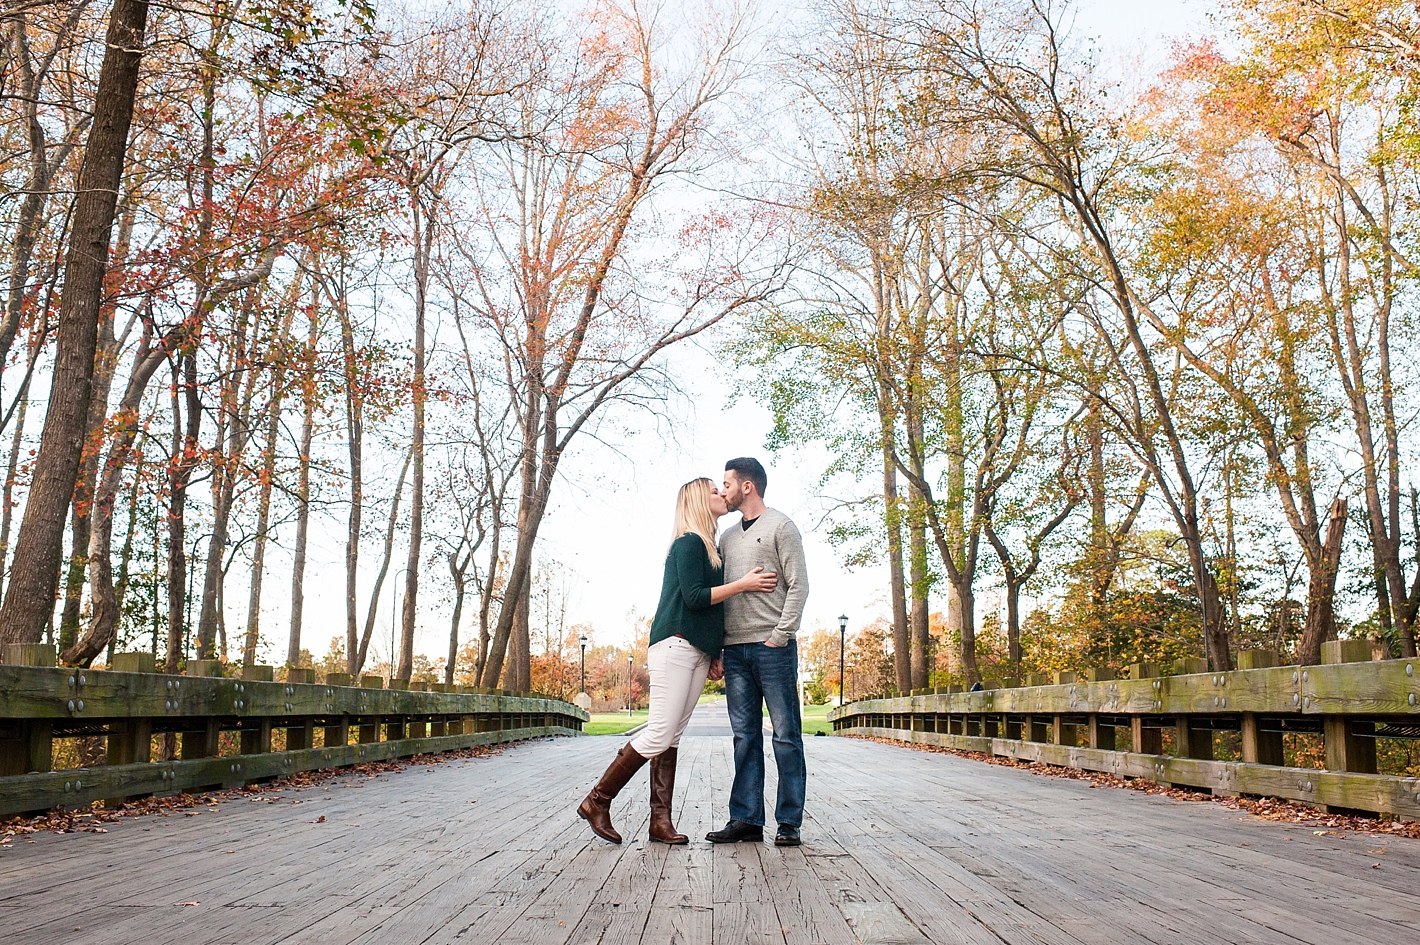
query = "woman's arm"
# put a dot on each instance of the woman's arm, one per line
(693, 565)
(756, 580)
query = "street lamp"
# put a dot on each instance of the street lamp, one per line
(584, 664)
(842, 643)
(628, 685)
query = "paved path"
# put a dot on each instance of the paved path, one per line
(902, 847)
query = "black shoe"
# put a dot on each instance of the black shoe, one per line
(737, 831)
(787, 836)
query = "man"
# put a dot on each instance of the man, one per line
(761, 659)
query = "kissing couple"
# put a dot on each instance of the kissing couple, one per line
(743, 631)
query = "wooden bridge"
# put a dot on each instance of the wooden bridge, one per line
(900, 846)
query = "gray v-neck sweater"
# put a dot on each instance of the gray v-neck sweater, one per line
(774, 544)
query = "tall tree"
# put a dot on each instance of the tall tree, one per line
(601, 137)
(29, 598)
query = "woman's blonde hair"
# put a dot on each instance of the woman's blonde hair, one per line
(693, 516)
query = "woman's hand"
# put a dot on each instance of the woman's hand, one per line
(758, 580)
(717, 669)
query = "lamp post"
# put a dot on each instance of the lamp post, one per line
(628, 685)
(584, 664)
(842, 644)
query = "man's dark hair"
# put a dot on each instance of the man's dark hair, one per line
(747, 467)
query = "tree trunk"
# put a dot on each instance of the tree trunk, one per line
(1100, 549)
(487, 592)
(424, 237)
(229, 449)
(355, 435)
(967, 596)
(28, 221)
(303, 493)
(11, 471)
(364, 645)
(901, 634)
(180, 468)
(920, 621)
(126, 554)
(1013, 624)
(105, 364)
(532, 505)
(516, 673)
(457, 570)
(1321, 590)
(29, 599)
(103, 597)
(263, 521)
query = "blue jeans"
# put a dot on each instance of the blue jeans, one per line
(757, 675)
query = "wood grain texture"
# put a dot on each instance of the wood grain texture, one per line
(900, 847)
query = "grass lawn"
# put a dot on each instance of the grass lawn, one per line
(613, 723)
(815, 719)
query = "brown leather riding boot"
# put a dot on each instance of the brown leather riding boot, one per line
(595, 808)
(662, 787)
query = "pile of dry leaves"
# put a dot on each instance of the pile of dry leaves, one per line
(1274, 809)
(92, 819)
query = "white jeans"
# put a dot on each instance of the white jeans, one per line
(678, 672)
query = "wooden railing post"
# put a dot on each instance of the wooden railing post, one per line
(337, 735)
(1259, 747)
(129, 742)
(205, 743)
(1145, 741)
(1190, 741)
(1349, 745)
(1101, 736)
(32, 751)
(256, 740)
(299, 736)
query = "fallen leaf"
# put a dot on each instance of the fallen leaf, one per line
(319, 820)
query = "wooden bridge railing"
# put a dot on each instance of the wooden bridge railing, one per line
(358, 721)
(1117, 725)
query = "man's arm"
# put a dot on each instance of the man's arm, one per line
(794, 572)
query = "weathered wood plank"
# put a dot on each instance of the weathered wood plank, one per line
(489, 850)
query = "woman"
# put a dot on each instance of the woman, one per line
(686, 639)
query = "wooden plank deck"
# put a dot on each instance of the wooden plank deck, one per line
(901, 847)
